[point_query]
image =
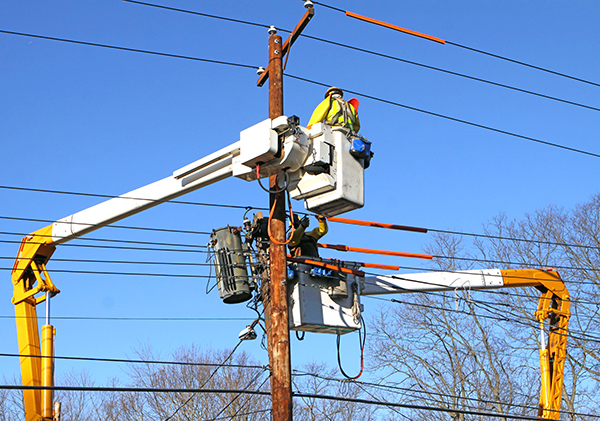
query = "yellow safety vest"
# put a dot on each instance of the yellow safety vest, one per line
(341, 114)
(336, 112)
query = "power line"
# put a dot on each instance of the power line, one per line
(547, 143)
(97, 246)
(543, 69)
(339, 44)
(153, 243)
(108, 196)
(49, 221)
(89, 272)
(159, 6)
(135, 50)
(450, 72)
(137, 319)
(526, 321)
(129, 262)
(248, 208)
(413, 406)
(258, 392)
(129, 361)
(210, 377)
(447, 117)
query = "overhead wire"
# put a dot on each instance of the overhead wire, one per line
(173, 56)
(514, 318)
(137, 319)
(128, 262)
(453, 73)
(239, 394)
(547, 143)
(432, 113)
(397, 390)
(450, 118)
(207, 380)
(258, 392)
(177, 231)
(131, 361)
(109, 196)
(498, 56)
(134, 50)
(339, 44)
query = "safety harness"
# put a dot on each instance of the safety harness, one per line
(345, 115)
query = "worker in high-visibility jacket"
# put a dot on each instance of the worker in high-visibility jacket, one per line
(303, 243)
(335, 111)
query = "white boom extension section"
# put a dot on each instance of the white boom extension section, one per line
(211, 169)
(318, 163)
(432, 281)
(322, 166)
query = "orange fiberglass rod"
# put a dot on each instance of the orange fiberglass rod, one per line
(362, 264)
(341, 247)
(325, 265)
(394, 27)
(376, 224)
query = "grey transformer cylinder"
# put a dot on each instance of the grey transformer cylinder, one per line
(231, 266)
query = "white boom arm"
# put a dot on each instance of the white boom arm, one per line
(321, 166)
(201, 173)
(554, 307)
(432, 281)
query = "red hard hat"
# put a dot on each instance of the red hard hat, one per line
(354, 103)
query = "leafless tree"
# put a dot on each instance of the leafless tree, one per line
(478, 351)
(319, 380)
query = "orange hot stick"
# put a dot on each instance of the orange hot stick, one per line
(378, 266)
(397, 28)
(326, 266)
(341, 247)
(376, 224)
(363, 264)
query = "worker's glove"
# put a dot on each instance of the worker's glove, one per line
(305, 222)
(321, 218)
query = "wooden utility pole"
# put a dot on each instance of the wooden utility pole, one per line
(279, 333)
(275, 293)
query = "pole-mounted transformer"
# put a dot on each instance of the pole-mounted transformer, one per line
(231, 265)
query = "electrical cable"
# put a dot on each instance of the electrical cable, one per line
(97, 246)
(488, 53)
(547, 143)
(413, 406)
(177, 231)
(137, 319)
(239, 394)
(88, 272)
(135, 50)
(447, 117)
(158, 6)
(258, 411)
(450, 72)
(209, 378)
(108, 196)
(129, 262)
(522, 320)
(339, 44)
(129, 361)
(154, 243)
(362, 339)
(404, 390)
(258, 392)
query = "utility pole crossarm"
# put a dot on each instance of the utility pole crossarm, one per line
(310, 12)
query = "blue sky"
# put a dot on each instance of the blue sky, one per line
(94, 120)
